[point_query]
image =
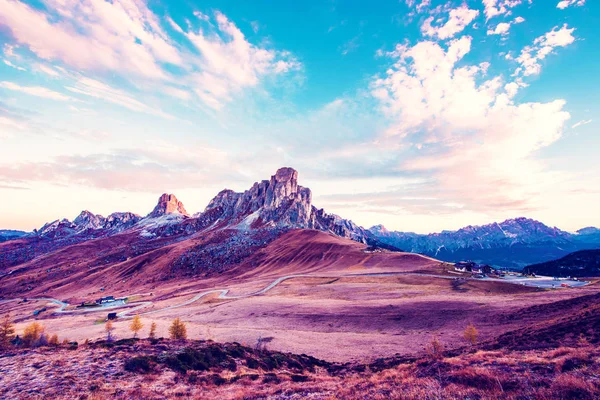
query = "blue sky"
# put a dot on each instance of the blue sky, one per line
(421, 115)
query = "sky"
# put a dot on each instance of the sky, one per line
(420, 115)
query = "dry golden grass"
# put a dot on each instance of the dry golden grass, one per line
(97, 372)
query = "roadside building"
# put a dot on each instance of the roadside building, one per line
(106, 299)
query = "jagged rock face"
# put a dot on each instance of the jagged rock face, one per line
(282, 203)
(278, 201)
(87, 220)
(120, 221)
(168, 204)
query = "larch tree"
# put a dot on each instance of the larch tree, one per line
(7, 332)
(152, 334)
(136, 325)
(177, 330)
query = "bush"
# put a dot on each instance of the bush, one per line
(53, 340)
(435, 351)
(32, 334)
(140, 364)
(299, 378)
(478, 378)
(471, 334)
(568, 386)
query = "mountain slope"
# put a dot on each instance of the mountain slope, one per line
(125, 250)
(513, 243)
(584, 263)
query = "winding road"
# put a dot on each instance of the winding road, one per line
(223, 293)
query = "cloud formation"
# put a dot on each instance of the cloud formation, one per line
(160, 166)
(493, 8)
(567, 3)
(531, 56)
(580, 123)
(504, 27)
(458, 19)
(127, 38)
(464, 128)
(35, 91)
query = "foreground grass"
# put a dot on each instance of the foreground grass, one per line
(160, 369)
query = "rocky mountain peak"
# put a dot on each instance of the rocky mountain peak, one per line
(88, 220)
(168, 204)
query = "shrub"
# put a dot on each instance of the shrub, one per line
(32, 334)
(53, 340)
(140, 364)
(479, 378)
(568, 386)
(177, 330)
(435, 351)
(109, 328)
(575, 360)
(471, 334)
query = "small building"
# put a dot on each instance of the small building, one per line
(111, 316)
(464, 266)
(106, 299)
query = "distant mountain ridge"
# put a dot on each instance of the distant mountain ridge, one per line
(271, 207)
(513, 243)
(9, 234)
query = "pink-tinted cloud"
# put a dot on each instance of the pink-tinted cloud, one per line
(465, 129)
(126, 38)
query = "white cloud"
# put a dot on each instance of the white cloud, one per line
(10, 64)
(504, 27)
(126, 38)
(229, 63)
(501, 29)
(493, 8)
(35, 91)
(48, 70)
(99, 90)
(458, 19)
(580, 123)
(476, 141)
(567, 3)
(542, 46)
(420, 6)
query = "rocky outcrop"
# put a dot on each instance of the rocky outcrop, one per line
(87, 220)
(168, 204)
(279, 202)
(120, 221)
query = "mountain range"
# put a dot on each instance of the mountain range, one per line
(234, 225)
(512, 244)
